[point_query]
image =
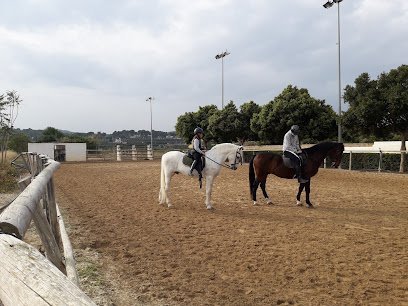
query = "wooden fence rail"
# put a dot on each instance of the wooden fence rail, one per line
(26, 276)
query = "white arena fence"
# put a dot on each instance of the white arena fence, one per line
(120, 153)
(26, 276)
(380, 156)
(131, 152)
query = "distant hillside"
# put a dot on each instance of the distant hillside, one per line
(34, 135)
(124, 137)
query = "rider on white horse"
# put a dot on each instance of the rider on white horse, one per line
(198, 151)
(224, 155)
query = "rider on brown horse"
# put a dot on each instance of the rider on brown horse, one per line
(291, 149)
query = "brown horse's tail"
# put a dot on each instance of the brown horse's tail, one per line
(251, 175)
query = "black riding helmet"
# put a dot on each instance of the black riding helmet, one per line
(198, 130)
(295, 129)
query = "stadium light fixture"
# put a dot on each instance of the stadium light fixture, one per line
(328, 5)
(221, 56)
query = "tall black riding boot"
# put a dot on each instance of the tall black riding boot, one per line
(200, 177)
(298, 171)
(193, 165)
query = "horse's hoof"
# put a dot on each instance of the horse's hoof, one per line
(210, 208)
(170, 206)
(299, 203)
(309, 205)
(255, 204)
(268, 202)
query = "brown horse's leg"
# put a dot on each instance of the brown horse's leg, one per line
(263, 187)
(301, 187)
(254, 189)
(308, 203)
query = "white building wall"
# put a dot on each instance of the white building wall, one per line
(42, 148)
(73, 151)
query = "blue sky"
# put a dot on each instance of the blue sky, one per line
(88, 65)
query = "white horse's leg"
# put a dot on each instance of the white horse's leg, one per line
(162, 192)
(167, 188)
(208, 189)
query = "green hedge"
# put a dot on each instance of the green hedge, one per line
(360, 161)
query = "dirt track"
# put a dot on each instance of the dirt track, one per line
(351, 249)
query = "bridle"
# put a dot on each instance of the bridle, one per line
(338, 153)
(233, 166)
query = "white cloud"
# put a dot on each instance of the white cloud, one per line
(91, 53)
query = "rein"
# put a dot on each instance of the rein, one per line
(232, 166)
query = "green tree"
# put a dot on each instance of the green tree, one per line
(247, 112)
(51, 134)
(189, 121)
(8, 114)
(380, 107)
(224, 125)
(91, 142)
(295, 106)
(19, 142)
(185, 126)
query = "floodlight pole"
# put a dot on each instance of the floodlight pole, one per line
(327, 5)
(221, 56)
(151, 123)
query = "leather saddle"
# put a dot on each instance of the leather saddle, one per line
(290, 164)
(188, 159)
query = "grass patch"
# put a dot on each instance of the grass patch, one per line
(8, 178)
(89, 273)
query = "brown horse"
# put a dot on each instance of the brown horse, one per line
(263, 164)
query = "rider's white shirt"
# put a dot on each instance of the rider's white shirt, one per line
(291, 143)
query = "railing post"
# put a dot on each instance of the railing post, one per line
(380, 161)
(351, 157)
(134, 152)
(325, 163)
(48, 239)
(149, 152)
(118, 153)
(16, 218)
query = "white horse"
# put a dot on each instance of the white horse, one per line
(172, 162)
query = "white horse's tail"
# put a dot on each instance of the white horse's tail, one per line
(162, 192)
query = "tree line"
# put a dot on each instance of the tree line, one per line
(19, 139)
(378, 110)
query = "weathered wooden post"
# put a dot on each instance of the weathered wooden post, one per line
(68, 251)
(118, 153)
(28, 278)
(16, 218)
(351, 156)
(380, 161)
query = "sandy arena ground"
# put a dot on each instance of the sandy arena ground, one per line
(350, 250)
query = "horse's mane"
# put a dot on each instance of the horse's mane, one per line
(322, 147)
(221, 144)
